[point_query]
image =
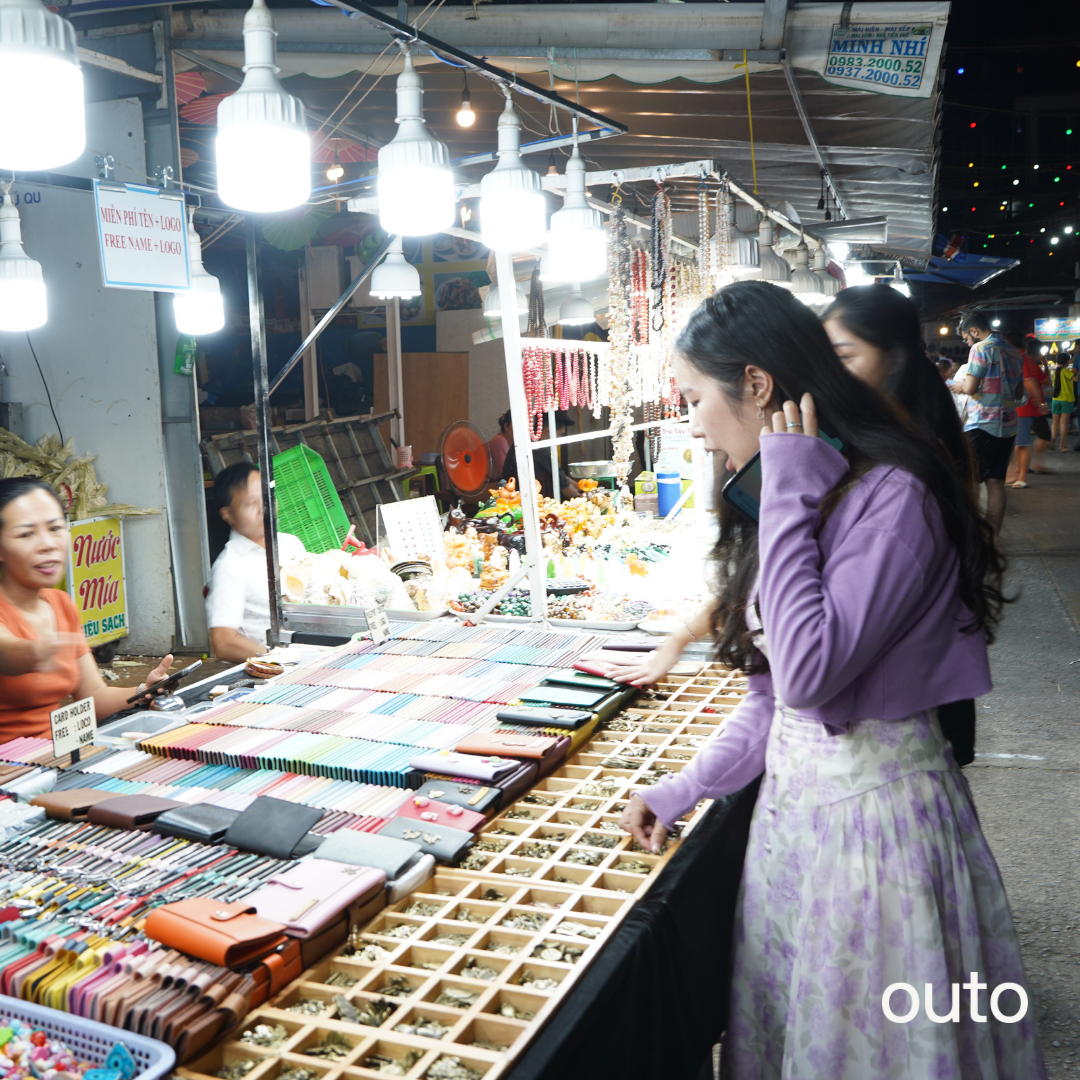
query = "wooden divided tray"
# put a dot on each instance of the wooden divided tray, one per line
(472, 964)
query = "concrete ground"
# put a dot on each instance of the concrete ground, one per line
(1026, 776)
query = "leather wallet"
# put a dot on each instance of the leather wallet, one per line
(552, 694)
(274, 972)
(130, 811)
(225, 934)
(447, 845)
(308, 895)
(329, 937)
(272, 827)
(432, 812)
(562, 718)
(392, 857)
(200, 822)
(409, 882)
(73, 804)
(502, 742)
(482, 799)
(518, 782)
(487, 769)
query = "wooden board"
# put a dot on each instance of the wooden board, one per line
(436, 393)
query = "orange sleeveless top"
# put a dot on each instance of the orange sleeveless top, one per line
(27, 700)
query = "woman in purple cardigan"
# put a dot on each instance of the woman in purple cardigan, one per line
(864, 598)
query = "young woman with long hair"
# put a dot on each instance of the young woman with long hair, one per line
(865, 596)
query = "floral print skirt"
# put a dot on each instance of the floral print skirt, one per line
(866, 866)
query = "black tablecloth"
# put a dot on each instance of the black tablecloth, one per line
(655, 1000)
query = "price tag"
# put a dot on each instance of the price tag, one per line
(73, 726)
(378, 623)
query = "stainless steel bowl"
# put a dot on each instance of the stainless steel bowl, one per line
(591, 470)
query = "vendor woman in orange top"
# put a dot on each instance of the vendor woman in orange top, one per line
(44, 658)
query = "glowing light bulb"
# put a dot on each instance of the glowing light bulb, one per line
(465, 115)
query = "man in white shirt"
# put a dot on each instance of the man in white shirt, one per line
(238, 603)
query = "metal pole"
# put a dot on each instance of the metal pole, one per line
(311, 359)
(393, 364)
(262, 426)
(554, 451)
(519, 412)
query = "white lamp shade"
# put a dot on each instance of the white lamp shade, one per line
(395, 277)
(774, 269)
(493, 303)
(42, 111)
(804, 283)
(577, 243)
(512, 208)
(22, 286)
(263, 150)
(415, 185)
(200, 310)
(576, 310)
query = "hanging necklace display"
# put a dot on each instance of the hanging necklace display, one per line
(622, 410)
(537, 324)
(704, 246)
(660, 241)
(721, 249)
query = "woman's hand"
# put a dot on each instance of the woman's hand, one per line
(155, 676)
(641, 823)
(790, 422)
(641, 669)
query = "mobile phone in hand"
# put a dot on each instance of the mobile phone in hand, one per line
(168, 683)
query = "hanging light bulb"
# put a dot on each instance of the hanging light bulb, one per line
(199, 311)
(804, 284)
(263, 149)
(493, 303)
(512, 207)
(774, 269)
(830, 287)
(465, 116)
(42, 120)
(415, 186)
(553, 169)
(335, 172)
(578, 239)
(576, 310)
(744, 263)
(394, 276)
(22, 286)
(821, 200)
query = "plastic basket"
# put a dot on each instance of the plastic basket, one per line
(308, 505)
(90, 1040)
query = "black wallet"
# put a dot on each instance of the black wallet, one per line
(272, 827)
(563, 718)
(478, 797)
(201, 822)
(447, 845)
(515, 784)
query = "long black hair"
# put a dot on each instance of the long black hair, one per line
(889, 321)
(753, 322)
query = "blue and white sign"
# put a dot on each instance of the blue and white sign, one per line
(142, 235)
(880, 57)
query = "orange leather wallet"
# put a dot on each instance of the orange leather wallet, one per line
(506, 745)
(225, 934)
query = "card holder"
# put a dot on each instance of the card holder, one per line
(226, 934)
(482, 798)
(272, 827)
(130, 811)
(536, 747)
(447, 845)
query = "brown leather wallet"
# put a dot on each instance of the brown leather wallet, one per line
(503, 744)
(130, 811)
(276, 971)
(195, 1036)
(225, 934)
(73, 804)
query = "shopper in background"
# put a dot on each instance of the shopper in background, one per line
(568, 487)
(1031, 420)
(500, 445)
(238, 601)
(1063, 374)
(995, 383)
(44, 657)
(865, 596)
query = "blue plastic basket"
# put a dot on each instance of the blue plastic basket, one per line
(91, 1040)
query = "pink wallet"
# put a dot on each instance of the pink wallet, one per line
(305, 897)
(439, 813)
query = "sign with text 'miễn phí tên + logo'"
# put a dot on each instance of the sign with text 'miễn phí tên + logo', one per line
(142, 235)
(879, 56)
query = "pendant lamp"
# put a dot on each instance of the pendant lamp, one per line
(22, 287)
(576, 310)
(394, 276)
(512, 207)
(493, 303)
(200, 310)
(829, 285)
(774, 269)
(42, 121)
(578, 239)
(415, 185)
(263, 149)
(804, 284)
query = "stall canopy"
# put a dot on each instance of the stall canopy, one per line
(670, 72)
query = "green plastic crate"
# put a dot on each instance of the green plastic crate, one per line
(308, 505)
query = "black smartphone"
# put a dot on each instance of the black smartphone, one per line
(168, 683)
(743, 490)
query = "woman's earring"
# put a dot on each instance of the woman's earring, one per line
(760, 413)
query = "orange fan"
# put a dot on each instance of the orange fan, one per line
(466, 459)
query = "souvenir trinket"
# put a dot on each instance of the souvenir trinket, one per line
(270, 1037)
(451, 1068)
(333, 1046)
(458, 997)
(423, 1026)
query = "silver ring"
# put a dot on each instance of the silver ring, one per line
(794, 425)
